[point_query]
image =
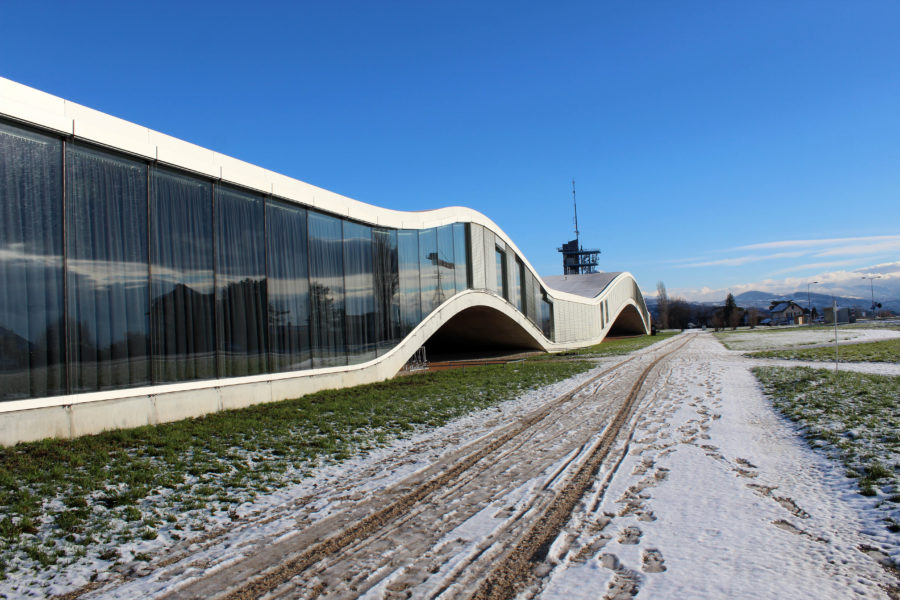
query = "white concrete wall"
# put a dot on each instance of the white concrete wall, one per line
(577, 319)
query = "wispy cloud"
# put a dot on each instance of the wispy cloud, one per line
(891, 245)
(742, 260)
(816, 243)
(818, 265)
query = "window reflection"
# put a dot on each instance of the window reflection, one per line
(387, 287)
(108, 287)
(410, 285)
(240, 283)
(182, 285)
(461, 256)
(432, 294)
(326, 290)
(445, 261)
(359, 292)
(288, 287)
(31, 265)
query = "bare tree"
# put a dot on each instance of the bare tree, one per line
(662, 305)
(679, 313)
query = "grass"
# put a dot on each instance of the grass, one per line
(100, 491)
(882, 351)
(612, 347)
(854, 416)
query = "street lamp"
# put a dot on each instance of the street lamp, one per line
(872, 289)
(808, 305)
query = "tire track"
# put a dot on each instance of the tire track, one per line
(516, 567)
(352, 531)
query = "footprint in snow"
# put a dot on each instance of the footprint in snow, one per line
(625, 583)
(630, 535)
(653, 561)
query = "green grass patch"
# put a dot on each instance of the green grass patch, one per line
(95, 491)
(881, 351)
(854, 416)
(611, 347)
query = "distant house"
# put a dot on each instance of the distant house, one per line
(786, 312)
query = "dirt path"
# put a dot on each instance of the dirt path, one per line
(481, 513)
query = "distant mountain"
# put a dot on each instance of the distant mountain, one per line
(758, 299)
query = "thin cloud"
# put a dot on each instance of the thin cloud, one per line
(743, 260)
(814, 243)
(818, 265)
(874, 248)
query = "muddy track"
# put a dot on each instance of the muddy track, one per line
(516, 567)
(374, 525)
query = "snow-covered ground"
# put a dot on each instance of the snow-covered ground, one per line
(718, 497)
(792, 337)
(710, 494)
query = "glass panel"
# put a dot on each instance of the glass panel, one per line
(359, 284)
(182, 315)
(288, 287)
(108, 279)
(432, 295)
(445, 262)
(326, 285)
(240, 283)
(32, 338)
(387, 288)
(546, 316)
(501, 273)
(518, 291)
(410, 297)
(461, 256)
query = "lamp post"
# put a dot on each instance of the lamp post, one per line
(808, 305)
(872, 289)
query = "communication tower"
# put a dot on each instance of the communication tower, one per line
(577, 260)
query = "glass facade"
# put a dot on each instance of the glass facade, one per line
(115, 273)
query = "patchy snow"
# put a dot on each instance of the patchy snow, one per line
(792, 337)
(710, 494)
(717, 496)
(875, 368)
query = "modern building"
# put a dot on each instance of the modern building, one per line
(144, 279)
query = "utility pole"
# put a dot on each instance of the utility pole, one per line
(834, 315)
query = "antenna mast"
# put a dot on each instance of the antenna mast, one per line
(577, 260)
(575, 204)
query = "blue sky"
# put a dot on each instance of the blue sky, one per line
(716, 146)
